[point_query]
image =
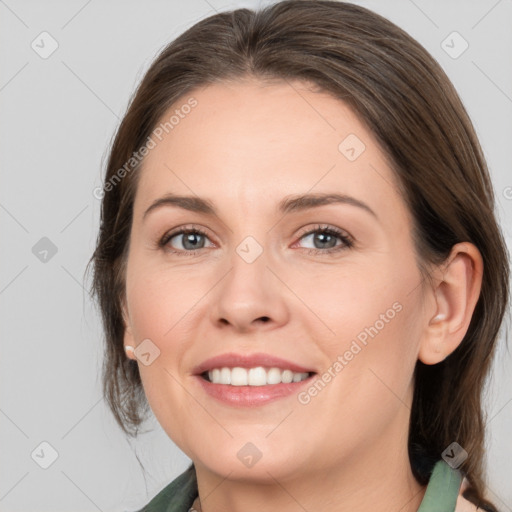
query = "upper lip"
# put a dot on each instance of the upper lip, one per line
(232, 360)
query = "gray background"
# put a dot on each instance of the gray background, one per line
(58, 116)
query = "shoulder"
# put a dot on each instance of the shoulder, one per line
(177, 496)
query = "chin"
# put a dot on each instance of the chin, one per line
(251, 461)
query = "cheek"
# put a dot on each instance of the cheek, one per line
(373, 316)
(352, 299)
(162, 311)
(369, 366)
(162, 302)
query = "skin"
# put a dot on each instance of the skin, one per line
(244, 147)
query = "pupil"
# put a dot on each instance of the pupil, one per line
(321, 237)
(191, 238)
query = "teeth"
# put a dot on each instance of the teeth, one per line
(258, 376)
(239, 377)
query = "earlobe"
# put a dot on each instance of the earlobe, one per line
(128, 341)
(129, 348)
(458, 287)
(129, 351)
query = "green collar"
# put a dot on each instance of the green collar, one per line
(442, 490)
(440, 496)
(178, 496)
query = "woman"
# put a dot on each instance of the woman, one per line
(299, 267)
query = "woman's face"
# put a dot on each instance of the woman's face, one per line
(328, 286)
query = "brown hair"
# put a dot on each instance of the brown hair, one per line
(406, 100)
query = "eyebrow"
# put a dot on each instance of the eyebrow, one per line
(287, 205)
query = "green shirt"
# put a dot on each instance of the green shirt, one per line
(440, 496)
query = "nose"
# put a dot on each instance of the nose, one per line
(250, 296)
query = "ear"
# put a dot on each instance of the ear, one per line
(456, 292)
(128, 340)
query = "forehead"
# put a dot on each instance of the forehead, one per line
(257, 142)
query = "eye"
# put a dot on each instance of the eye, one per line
(189, 241)
(185, 241)
(327, 239)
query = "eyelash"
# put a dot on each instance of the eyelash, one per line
(347, 241)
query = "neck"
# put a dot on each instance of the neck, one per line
(371, 473)
(378, 478)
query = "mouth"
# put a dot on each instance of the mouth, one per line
(250, 380)
(256, 376)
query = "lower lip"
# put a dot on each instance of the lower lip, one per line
(251, 396)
